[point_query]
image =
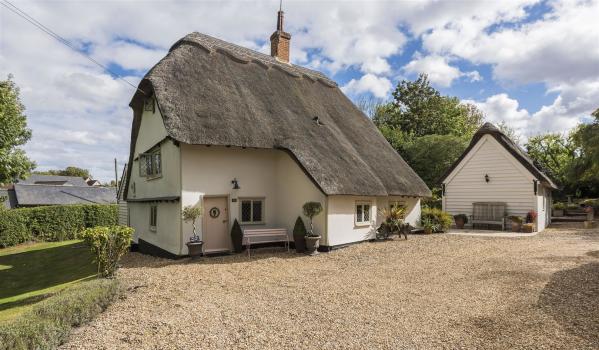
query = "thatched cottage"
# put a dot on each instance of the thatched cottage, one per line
(252, 137)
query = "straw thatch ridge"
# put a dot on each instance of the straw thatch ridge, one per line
(207, 98)
(521, 156)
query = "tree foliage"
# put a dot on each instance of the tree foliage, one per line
(553, 152)
(418, 110)
(585, 167)
(14, 163)
(431, 155)
(428, 129)
(68, 171)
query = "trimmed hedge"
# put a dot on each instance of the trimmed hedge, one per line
(49, 322)
(52, 223)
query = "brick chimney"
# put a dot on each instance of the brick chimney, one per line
(279, 41)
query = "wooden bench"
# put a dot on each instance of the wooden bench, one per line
(265, 235)
(488, 213)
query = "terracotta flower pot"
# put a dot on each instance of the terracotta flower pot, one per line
(195, 249)
(516, 226)
(312, 244)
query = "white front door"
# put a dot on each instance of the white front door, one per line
(216, 224)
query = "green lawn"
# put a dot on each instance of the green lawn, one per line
(32, 272)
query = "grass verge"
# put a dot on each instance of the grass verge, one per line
(48, 323)
(31, 272)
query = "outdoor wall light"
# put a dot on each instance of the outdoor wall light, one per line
(487, 178)
(235, 184)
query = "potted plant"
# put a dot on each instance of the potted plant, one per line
(460, 220)
(531, 218)
(195, 244)
(311, 209)
(558, 209)
(516, 223)
(429, 225)
(393, 222)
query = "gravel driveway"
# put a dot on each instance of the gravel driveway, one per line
(437, 291)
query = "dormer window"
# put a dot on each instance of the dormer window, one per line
(150, 164)
(149, 104)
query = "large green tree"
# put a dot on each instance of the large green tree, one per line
(14, 163)
(585, 168)
(555, 153)
(428, 129)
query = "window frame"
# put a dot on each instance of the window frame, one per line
(153, 217)
(252, 200)
(362, 222)
(151, 160)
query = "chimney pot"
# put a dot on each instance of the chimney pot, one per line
(280, 41)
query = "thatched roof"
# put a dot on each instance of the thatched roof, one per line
(211, 92)
(521, 156)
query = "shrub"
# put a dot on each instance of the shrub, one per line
(52, 223)
(311, 209)
(299, 232)
(13, 228)
(237, 237)
(429, 223)
(48, 323)
(516, 219)
(108, 244)
(559, 206)
(442, 219)
(531, 216)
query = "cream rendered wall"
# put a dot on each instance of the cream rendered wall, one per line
(341, 225)
(262, 173)
(509, 182)
(167, 235)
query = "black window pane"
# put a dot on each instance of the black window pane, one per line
(257, 215)
(246, 211)
(366, 212)
(359, 213)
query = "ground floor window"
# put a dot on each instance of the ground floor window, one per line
(153, 217)
(252, 211)
(362, 213)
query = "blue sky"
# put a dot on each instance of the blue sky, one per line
(532, 64)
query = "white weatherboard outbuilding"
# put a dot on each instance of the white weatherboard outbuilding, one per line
(494, 169)
(251, 137)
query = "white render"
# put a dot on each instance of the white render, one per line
(509, 182)
(193, 172)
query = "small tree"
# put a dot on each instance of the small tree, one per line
(311, 209)
(299, 232)
(190, 214)
(108, 244)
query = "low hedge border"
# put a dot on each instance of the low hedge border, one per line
(49, 322)
(53, 223)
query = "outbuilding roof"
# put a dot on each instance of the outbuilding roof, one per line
(211, 92)
(516, 151)
(33, 195)
(54, 180)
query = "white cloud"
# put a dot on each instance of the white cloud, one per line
(64, 91)
(377, 86)
(439, 70)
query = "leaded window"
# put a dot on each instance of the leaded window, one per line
(252, 211)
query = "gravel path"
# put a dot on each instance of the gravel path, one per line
(437, 291)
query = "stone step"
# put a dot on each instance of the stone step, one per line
(578, 218)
